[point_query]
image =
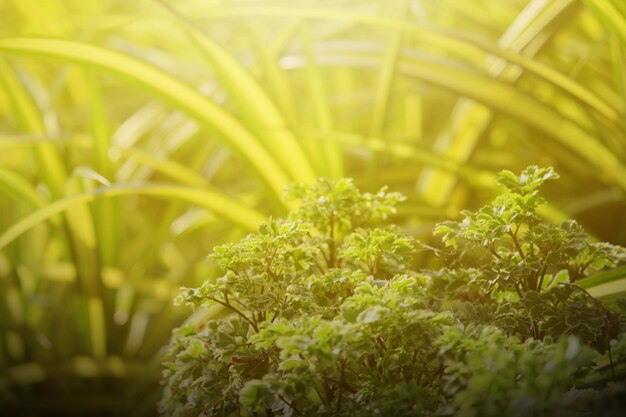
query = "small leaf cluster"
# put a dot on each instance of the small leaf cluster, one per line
(529, 266)
(327, 315)
(522, 248)
(489, 374)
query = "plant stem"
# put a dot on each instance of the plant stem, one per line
(237, 311)
(290, 405)
(332, 249)
(493, 252)
(517, 245)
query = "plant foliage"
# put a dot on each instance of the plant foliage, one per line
(330, 318)
(136, 135)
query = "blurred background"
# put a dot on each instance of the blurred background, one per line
(135, 136)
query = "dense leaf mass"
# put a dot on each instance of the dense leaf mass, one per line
(329, 318)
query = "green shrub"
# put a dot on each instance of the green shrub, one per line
(329, 317)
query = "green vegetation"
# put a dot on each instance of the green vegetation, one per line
(137, 135)
(329, 318)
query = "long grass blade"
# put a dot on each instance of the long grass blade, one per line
(53, 172)
(605, 277)
(257, 106)
(277, 82)
(469, 120)
(462, 43)
(421, 155)
(169, 89)
(382, 96)
(176, 171)
(499, 95)
(607, 286)
(80, 239)
(611, 14)
(329, 156)
(21, 189)
(106, 212)
(217, 202)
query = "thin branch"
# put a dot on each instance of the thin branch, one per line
(542, 275)
(274, 317)
(517, 244)
(517, 290)
(290, 404)
(493, 252)
(332, 249)
(581, 270)
(237, 311)
(342, 367)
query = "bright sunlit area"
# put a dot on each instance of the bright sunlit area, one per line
(265, 208)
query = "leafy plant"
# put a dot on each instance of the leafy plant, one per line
(328, 316)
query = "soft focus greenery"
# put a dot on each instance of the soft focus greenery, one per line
(329, 318)
(137, 135)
